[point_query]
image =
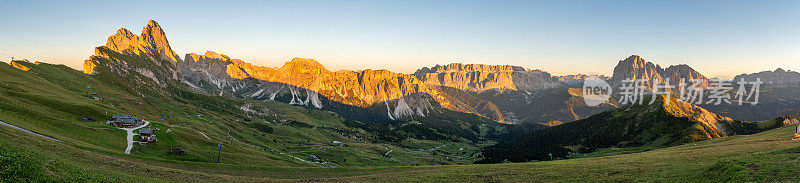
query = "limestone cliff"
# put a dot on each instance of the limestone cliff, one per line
(480, 77)
(306, 81)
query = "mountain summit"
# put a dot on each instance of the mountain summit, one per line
(152, 42)
(636, 68)
(148, 54)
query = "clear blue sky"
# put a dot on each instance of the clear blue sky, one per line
(718, 38)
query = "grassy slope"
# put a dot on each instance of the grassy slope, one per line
(767, 156)
(48, 99)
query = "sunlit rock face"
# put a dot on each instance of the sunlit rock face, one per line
(299, 81)
(151, 42)
(302, 81)
(148, 54)
(16, 64)
(480, 77)
(636, 68)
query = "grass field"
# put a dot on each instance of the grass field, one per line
(767, 156)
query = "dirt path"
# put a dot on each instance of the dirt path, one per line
(28, 131)
(198, 131)
(131, 134)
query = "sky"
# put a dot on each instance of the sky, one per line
(717, 38)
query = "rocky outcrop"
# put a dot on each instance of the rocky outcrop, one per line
(779, 76)
(19, 65)
(651, 75)
(787, 120)
(479, 77)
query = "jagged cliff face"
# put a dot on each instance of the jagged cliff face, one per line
(455, 87)
(636, 68)
(479, 77)
(300, 81)
(779, 76)
(151, 42)
(306, 82)
(464, 83)
(148, 54)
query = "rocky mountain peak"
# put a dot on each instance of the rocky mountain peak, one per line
(636, 68)
(212, 54)
(152, 42)
(303, 64)
(155, 39)
(123, 41)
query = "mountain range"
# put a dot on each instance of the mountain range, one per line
(306, 82)
(502, 93)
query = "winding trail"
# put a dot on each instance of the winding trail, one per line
(28, 131)
(130, 136)
(198, 131)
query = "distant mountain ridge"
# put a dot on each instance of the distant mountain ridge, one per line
(503, 93)
(577, 79)
(480, 77)
(306, 82)
(779, 76)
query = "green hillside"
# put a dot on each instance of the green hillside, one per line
(766, 156)
(49, 99)
(634, 127)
